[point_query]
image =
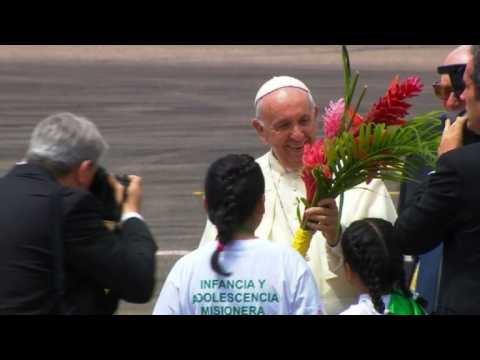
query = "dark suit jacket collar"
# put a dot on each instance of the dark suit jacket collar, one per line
(31, 170)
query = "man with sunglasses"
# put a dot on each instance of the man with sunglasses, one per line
(451, 85)
(448, 89)
(447, 207)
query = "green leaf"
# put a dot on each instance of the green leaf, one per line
(361, 136)
(385, 155)
(346, 68)
(377, 136)
(349, 85)
(351, 89)
(299, 216)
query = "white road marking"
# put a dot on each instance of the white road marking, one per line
(173, 253)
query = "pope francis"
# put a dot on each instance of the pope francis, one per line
(285, 120)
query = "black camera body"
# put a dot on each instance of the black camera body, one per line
(101, 189)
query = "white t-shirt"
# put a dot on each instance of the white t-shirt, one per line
(365, 306)
(266, 279)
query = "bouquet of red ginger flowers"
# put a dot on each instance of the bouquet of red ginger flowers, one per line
(357, 149)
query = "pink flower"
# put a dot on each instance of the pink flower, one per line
(333, 118)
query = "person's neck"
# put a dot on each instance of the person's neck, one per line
(287, 169)
(244, 232)
(358, 284)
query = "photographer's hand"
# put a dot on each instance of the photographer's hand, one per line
(134, 195)
(118, 189)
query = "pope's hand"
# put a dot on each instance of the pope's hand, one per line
(324, 218)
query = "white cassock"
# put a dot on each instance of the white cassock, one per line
(282, 191)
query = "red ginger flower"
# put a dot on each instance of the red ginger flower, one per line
(326, 171)
(310, 184)
(391, 108)
(314, 157)
(357, 121)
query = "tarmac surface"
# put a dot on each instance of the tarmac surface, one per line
(168, 111)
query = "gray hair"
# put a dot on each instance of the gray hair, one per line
(259, 104)
(62, 141)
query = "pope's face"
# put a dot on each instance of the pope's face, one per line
(287, 122)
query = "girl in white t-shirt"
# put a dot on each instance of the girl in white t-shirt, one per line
(374, 265)
(239, 274)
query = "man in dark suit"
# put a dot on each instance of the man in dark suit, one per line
(56, 254)
(447, 207)
(448, 89)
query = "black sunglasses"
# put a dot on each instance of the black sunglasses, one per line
(455, 72)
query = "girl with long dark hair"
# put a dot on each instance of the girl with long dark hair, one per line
(374, 265)
(239, 274)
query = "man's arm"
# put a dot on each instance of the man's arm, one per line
(409, 189)
(122, 261)
(420, 226)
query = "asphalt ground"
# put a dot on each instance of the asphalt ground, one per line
(169, 111)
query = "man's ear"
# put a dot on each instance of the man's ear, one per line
(205, 203)
(85, 173)
(260, 129)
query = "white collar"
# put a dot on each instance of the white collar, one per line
(366, 299)
(278, 168)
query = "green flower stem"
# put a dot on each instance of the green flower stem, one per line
(315, 200)
(340, 209)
